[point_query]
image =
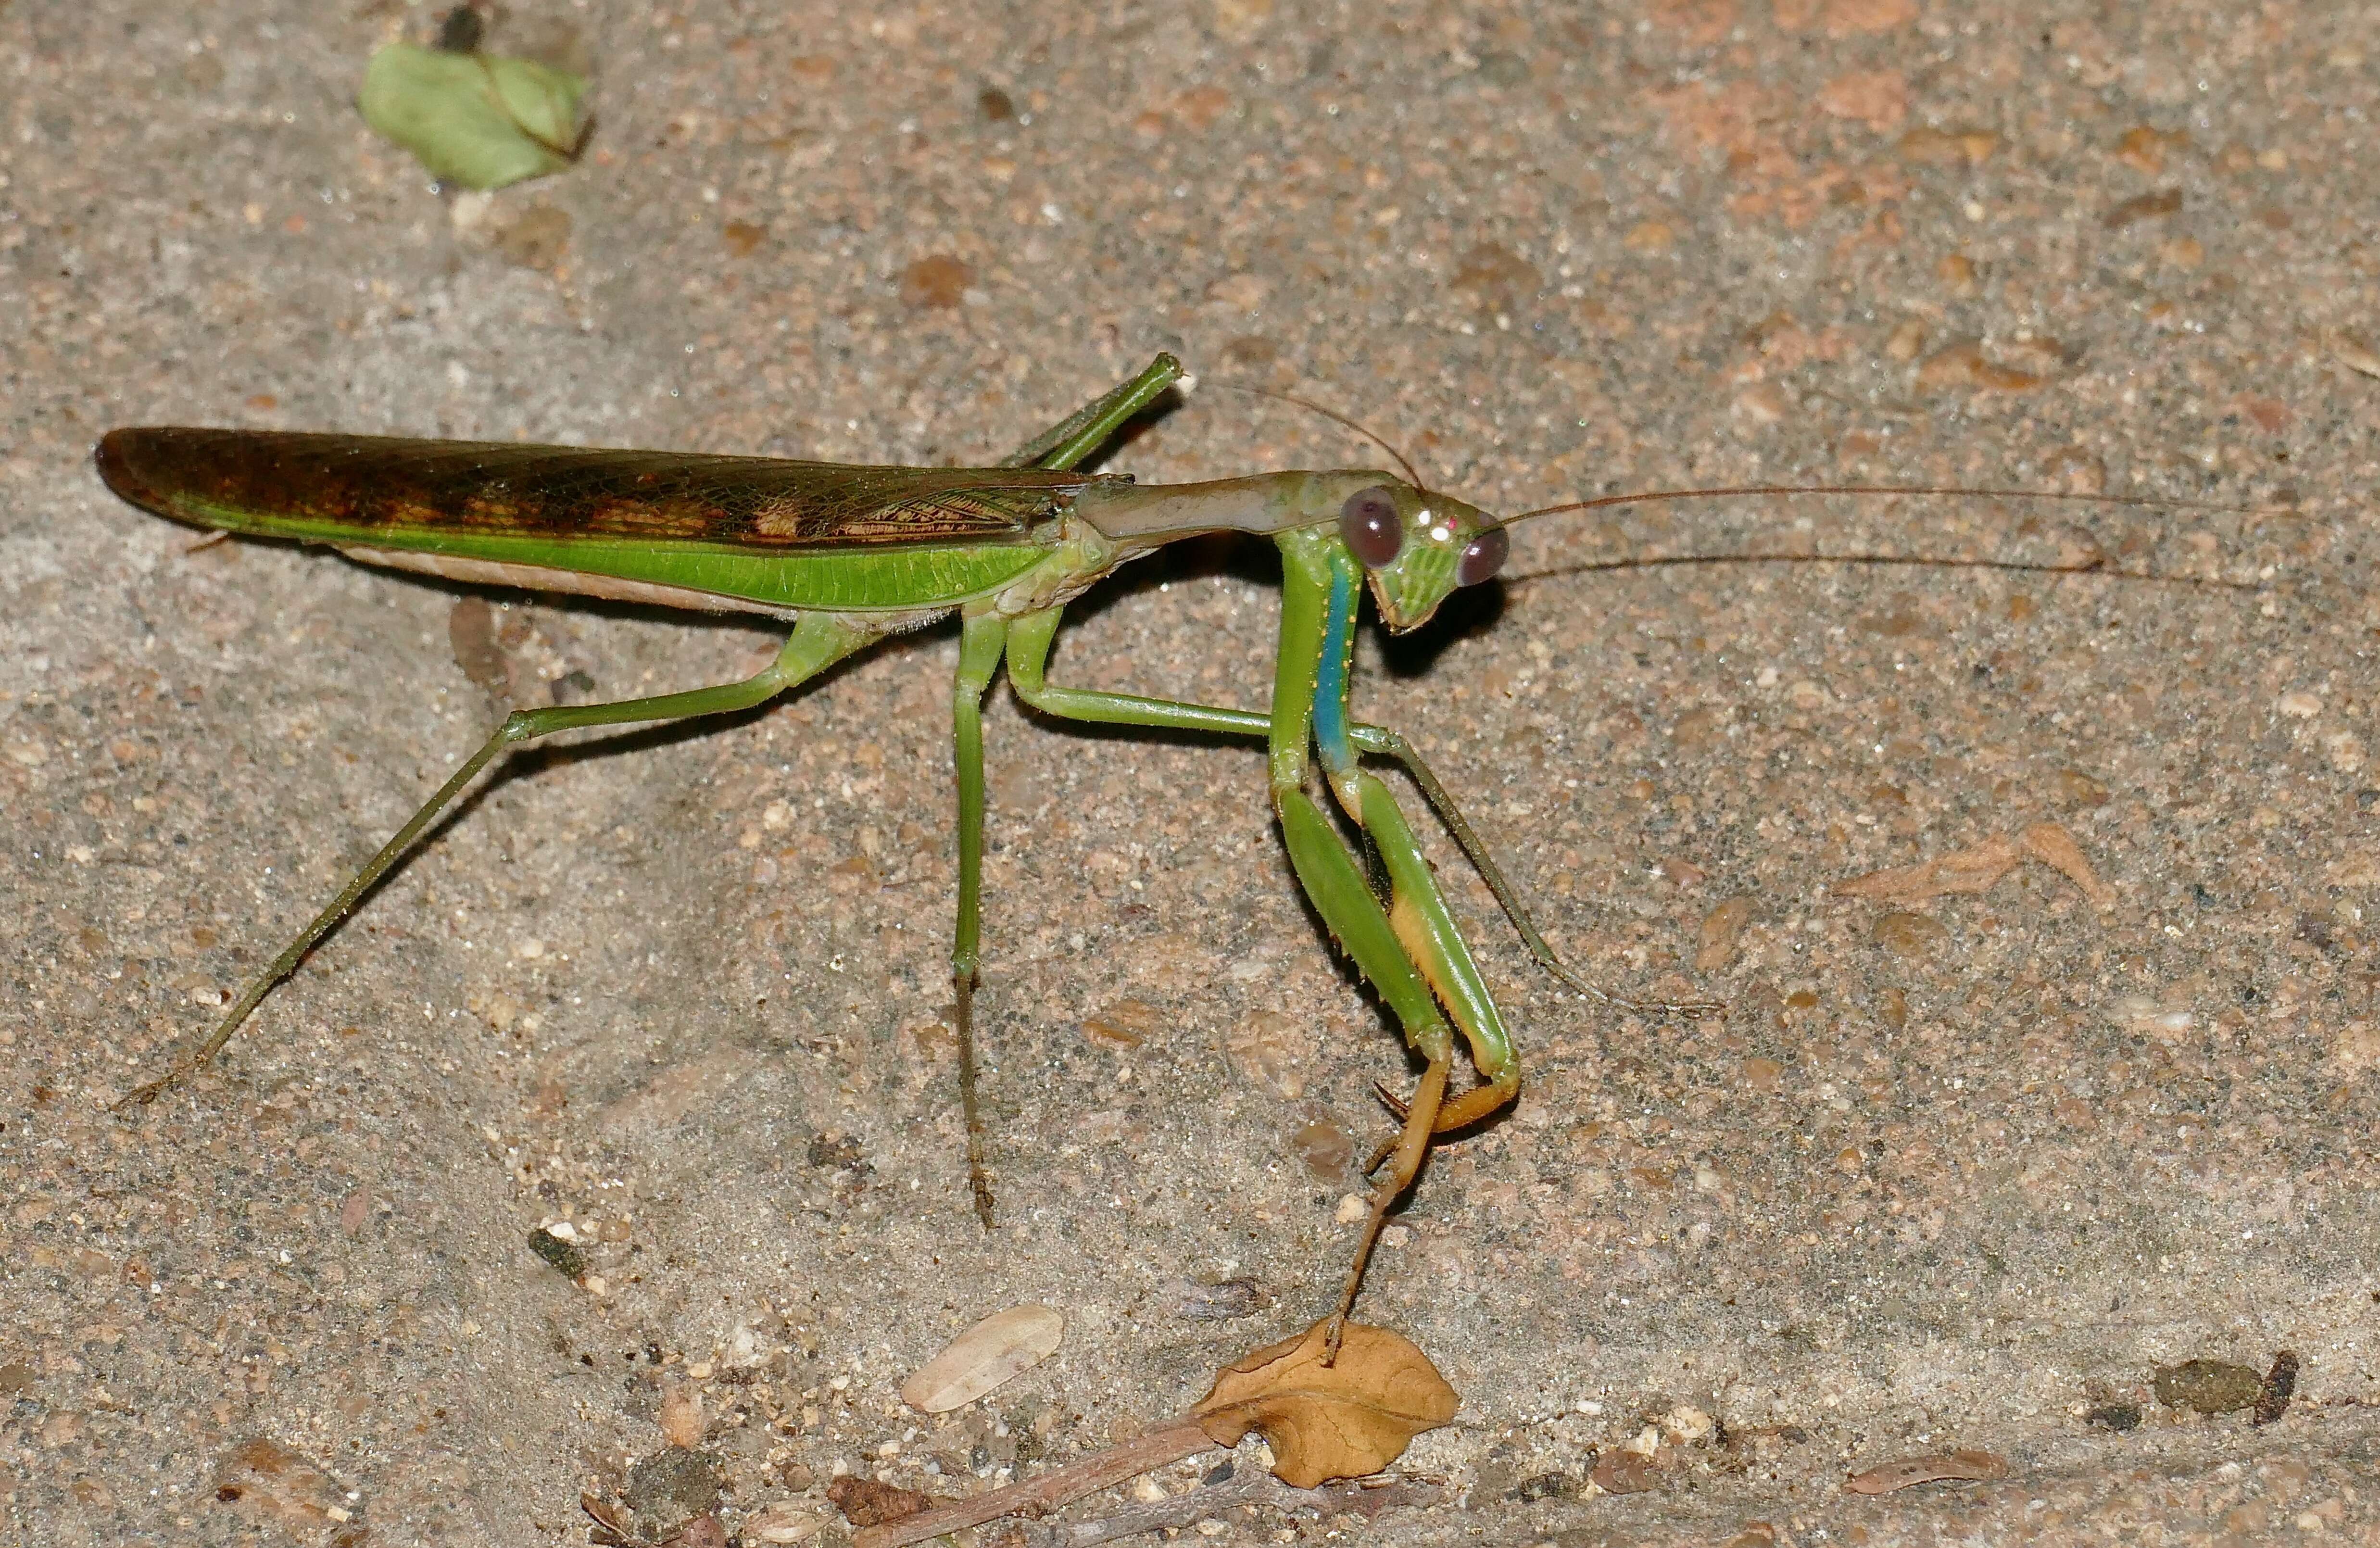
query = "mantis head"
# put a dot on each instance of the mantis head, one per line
(1416, 547)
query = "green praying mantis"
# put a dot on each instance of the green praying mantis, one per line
(852, 554)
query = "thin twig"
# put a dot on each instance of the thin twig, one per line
(1168, 1442)
(1250, 1487)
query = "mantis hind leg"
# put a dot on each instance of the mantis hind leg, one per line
(983, 640)
(818, 640)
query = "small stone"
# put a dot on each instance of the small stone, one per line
(703, 1532)
(2119, 1417)
(1906, 935)
(1121, 1026)
(1623, 1472)
(2208, 1386)
(669, 1488)
(1688, 1425)
(567, 1258)
(1327, 1150)
(681, 1417)
(935, 284)
(1722, 928)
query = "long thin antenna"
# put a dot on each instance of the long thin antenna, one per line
(1413, 475)
(1647, 496)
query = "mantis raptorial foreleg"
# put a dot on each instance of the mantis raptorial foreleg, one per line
(1031, 639)
(1411, 952)
(817, 641)
(1404, 970)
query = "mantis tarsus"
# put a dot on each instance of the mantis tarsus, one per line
(852, 554)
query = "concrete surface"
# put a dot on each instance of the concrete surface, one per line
(1954, 1173)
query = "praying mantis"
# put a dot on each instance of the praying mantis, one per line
(851, 555)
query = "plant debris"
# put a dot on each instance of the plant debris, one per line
(1324, 1421)
(866, 1502)
(2280, 1386)
(1946, 1467)
(1343, 1418)
(1980, 867)
(995, 1350)
(475, 120)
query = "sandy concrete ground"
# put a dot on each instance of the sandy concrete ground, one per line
(1956, 1172)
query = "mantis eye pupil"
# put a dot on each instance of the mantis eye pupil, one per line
(1369, 525)
(1483, 556)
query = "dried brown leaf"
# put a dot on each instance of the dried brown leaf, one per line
(1980, 866)
(2056, 848)
(1956, 1467)
(1966, 870)
(1342, 1420)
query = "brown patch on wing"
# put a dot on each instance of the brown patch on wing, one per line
(377, 484)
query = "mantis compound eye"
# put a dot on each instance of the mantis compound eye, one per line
(1369, 525)
(1482, 557)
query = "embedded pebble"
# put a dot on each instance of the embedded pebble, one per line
(1122, 1026)
(681, 1417)
(1908, 935)
(993, 1351)
(1722, 929)
(1327, 1150)
(2209, 1387)
(1271, 1050)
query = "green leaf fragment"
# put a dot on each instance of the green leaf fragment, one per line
(480, 120)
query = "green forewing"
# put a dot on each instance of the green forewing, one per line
(787, 533)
